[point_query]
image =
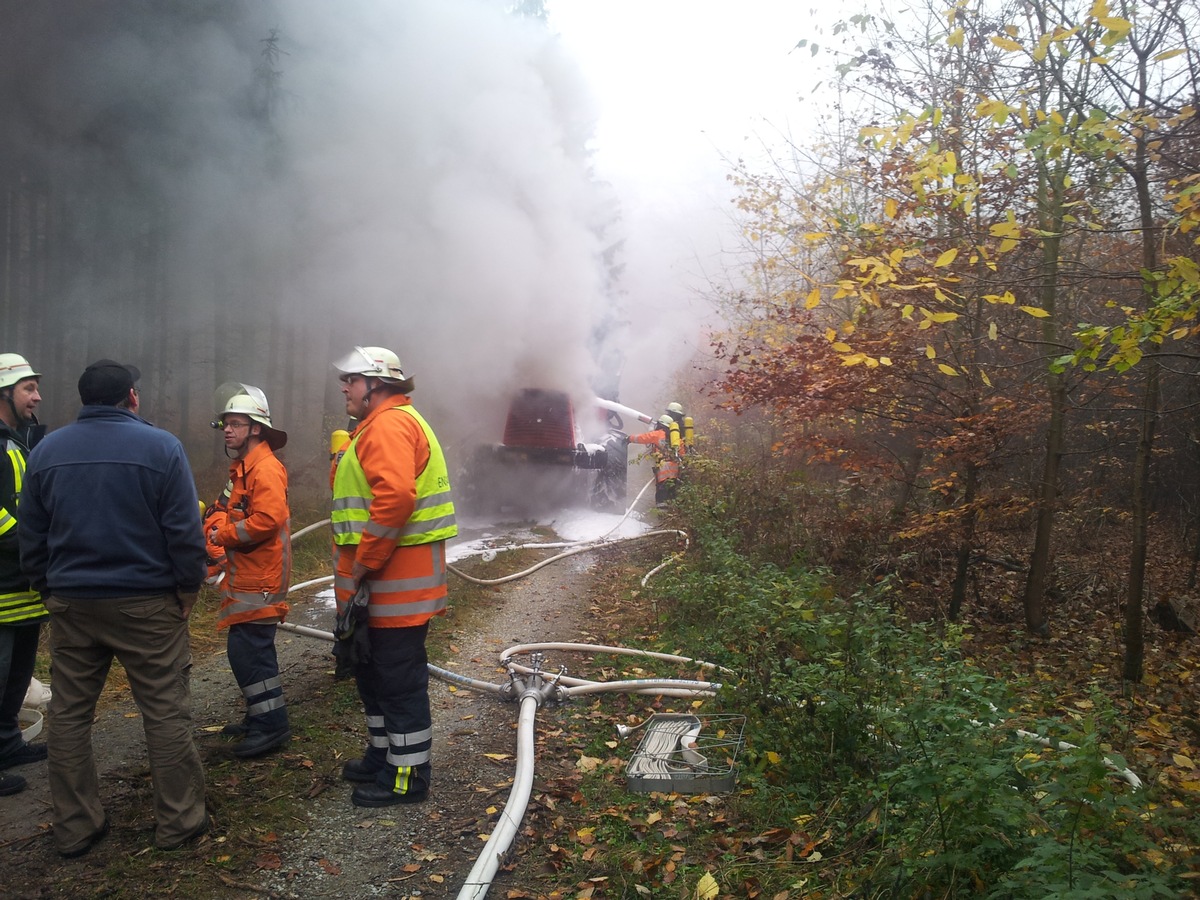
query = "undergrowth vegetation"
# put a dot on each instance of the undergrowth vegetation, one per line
(879, 760)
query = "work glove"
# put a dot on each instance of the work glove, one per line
(351, 637)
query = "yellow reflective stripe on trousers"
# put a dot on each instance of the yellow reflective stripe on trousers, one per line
(19, 606)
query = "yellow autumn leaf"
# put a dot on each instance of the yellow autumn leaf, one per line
(774, 758)
(946, 370)
(942, 317)
(992, 331)
(946, 258)
(1005, 43)
(890, 208)
(1036, 311)
(830, 335)
(930, 353)
(885, 360)
(955, 38)
(1170, 54)
(840, 347)
(499, 757)
(984, 376)
(815, 235)
(1182, 761)
(1193, 786)
(653, 818)
(813, 298)
(907, 310)
(587, 763)
(707, 887)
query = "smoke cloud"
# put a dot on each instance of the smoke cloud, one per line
(244, 191)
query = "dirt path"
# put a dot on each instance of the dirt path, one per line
(337, 851)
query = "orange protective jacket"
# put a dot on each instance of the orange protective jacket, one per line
(407, 583)
(253, 524)
(666, 466)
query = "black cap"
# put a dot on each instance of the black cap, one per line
(106, 382)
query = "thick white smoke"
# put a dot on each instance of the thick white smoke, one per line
(448, 208)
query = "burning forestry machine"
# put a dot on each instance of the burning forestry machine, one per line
(545, 456)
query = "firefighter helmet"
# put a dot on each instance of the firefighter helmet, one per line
(666, 421)
(674, 407)
(249, 401)
(373, 362)
(14, 368)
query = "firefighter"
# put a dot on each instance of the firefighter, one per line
(21, 609)
(247, 533)
(686, 428)
(664, 448)
(392, 515)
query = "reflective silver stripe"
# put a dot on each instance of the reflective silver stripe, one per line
(395, 585)
(348, 527)
(257, 598)
(420, 526)
(258, 709)
(253, 690)
(7, 522)
(340, 503)
(379, 740)
(408, 759)
(433, 500)
(412, 738)
(381, 531)
(389, 610)
(375, 722)
(240, 530)
(345, 582)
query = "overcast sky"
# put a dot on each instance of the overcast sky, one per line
(681, 88)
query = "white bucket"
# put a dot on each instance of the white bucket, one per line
(31, 723)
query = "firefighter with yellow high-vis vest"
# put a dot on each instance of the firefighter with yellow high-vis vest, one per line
(247, 531)
(392, 515)
(21, 609)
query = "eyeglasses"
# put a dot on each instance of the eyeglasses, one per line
(221, 425)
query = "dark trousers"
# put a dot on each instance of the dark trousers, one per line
(18, 650)
(251, 650)
(394, 687)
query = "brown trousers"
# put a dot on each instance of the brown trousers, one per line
(149, 636)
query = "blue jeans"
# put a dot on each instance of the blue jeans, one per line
(18, 650)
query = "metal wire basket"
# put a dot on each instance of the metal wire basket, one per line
(686, 754)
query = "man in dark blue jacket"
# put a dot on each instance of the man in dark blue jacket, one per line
(110, 534)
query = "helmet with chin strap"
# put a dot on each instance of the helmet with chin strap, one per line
(249, 401)
(372, 362)
(14, 368)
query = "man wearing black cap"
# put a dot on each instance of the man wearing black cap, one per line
(110, 534)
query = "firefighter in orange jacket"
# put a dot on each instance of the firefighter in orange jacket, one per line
(392, 514)
(247, 531)
(664, 446)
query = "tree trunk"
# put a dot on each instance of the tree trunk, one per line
(1039, 563)
(1134, 635)
(966, 543)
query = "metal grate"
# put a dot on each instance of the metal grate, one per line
(686, 754)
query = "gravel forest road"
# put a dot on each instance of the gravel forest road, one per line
(337, 850)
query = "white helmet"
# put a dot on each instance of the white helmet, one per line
(674, 407)
(14, 368)
(373, 362)
(235, 397)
